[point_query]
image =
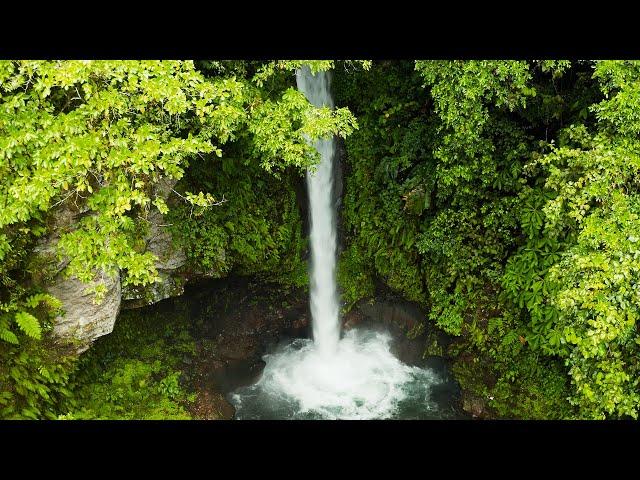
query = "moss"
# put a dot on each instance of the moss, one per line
(525, 388)
(475, 383)
(136, 372)
(434, 346)
(354, 279)
(43, 267)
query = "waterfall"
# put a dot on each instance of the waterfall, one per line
(354, 377)
(323, 292)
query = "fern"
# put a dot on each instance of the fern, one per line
(8, 336)
(29, 325)
(52, 302)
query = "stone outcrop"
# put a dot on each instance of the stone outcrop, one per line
(170, 262)
(83, 320)
(405, 320)
(236, 323)
(400, 313)
(212, 405)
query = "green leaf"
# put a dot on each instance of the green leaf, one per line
(29, 325)
(9, 336)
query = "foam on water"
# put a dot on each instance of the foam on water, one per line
(362, 380)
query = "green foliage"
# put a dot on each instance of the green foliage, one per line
(34, 374)
(271, 69)
(575, 274)
(502, 195)
(100, 135)
(449, 158)
(281, 125)
(34, 379)
(573, 270)
(529, 388)
(254, 232)
(136, 371)
(29, 325)
(387, 186)
(478, 159)
(97, 141)
(130, 390)
(354, 277)
(105, 133)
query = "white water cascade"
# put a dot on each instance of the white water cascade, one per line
(356, 377)
(323, 292)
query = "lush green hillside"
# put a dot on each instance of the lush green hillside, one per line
(502, 196)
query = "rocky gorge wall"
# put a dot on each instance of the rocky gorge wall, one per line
(233, 322)
(84, 320)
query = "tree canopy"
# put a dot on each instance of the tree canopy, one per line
(503, 196)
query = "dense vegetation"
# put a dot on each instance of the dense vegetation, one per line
(501, 195)
(101, 137)
(504, 196)
(137, 371)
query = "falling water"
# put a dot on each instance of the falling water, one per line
(354, 377)
(324, 298)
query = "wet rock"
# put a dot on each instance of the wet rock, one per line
(230, 374)
(474, 405)
(299, 325)
(408, 351)
(224, 409)
(84, 320)
(352, 319)
(396, 316)
(214, 370)
(167, 286)
(211, 405)
(234, 323)
(237, 325)
(414, 338)
(238, 347)
(253, 322)
(401, 313)
(255, 372)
